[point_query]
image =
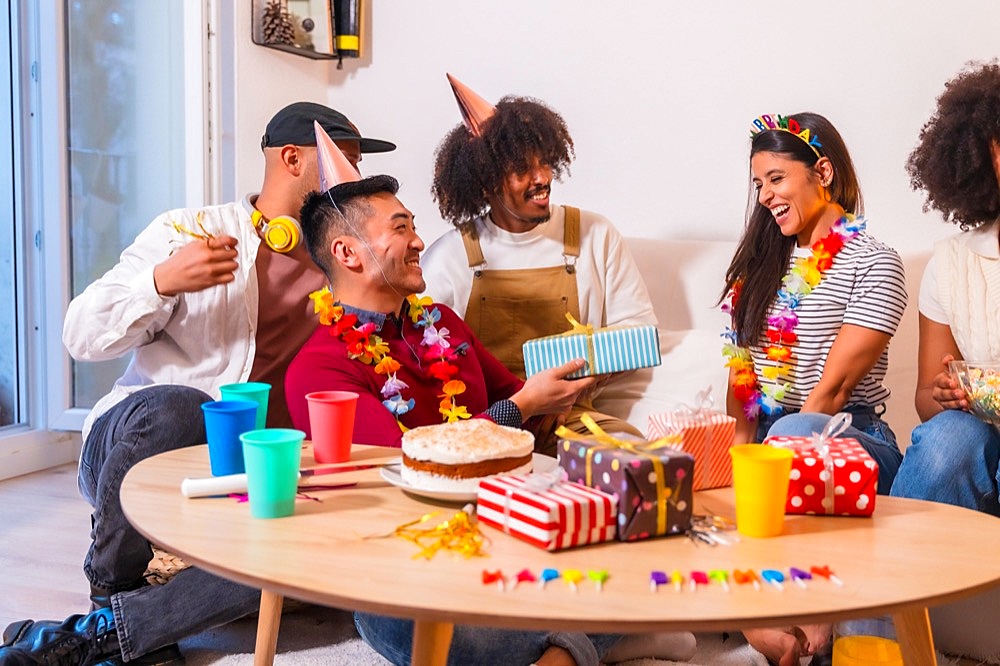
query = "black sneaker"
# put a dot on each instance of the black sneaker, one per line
(80, 640)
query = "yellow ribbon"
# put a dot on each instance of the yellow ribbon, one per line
(643, 449)
(586, 330)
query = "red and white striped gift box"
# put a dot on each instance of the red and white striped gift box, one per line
(706, 436)
(561, 516)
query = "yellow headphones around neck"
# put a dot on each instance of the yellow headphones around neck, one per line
(282, 234)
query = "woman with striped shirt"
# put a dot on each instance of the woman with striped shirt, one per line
(814, 300)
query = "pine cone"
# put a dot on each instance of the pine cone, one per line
(276, 27)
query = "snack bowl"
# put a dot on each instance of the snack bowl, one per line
(981, 383)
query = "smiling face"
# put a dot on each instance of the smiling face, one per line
(794, 193)
(394, 245)
(523, 199)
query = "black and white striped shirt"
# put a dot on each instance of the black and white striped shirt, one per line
(865, 286)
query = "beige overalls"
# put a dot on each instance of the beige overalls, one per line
(507, 307)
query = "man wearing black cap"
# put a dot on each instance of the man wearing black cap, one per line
(202, 298)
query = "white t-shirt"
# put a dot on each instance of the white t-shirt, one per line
(611, 290)
(866, 287)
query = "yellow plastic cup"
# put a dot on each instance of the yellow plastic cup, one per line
(760, 481)
(866, 651)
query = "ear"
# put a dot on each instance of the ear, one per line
(824, 171)
(292, 158)
(343, 252)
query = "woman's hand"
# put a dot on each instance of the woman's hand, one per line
(549, 392)
(946, 391)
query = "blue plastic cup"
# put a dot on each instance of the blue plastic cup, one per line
(272, 458)
(225, 421)
(256, 391)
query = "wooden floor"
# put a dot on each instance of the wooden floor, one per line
(44, 536)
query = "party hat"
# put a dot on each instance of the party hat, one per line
(475, 109)
(334, 168)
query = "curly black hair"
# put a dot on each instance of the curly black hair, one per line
(468, 168)
(952, 163)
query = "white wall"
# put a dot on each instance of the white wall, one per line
(658, 95)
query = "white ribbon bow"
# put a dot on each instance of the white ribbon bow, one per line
(820, 443)
(536, 482)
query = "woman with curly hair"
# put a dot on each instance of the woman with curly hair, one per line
(954, 456)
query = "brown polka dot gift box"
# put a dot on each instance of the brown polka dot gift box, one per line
(830, 476)
(651, 481)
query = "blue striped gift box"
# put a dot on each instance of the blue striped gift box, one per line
(606, 350)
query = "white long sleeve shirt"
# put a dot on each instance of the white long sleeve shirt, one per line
(202, 339)
(610, 287)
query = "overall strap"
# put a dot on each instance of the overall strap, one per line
(473, 250)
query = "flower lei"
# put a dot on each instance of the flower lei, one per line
(364, 345)
(805, 274)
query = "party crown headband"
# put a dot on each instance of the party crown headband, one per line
(782, 123)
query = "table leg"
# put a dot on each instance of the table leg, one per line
(267, 628)
(431, 642)
(913, 630)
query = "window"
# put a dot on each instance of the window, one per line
(107, 123)
(12, 376)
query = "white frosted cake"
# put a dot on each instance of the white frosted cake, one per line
(455, 456)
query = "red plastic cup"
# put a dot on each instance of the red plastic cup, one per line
(331, 420)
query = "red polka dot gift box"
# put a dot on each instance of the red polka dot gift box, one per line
(829, 477)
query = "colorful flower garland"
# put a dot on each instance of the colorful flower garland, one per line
(805, 274)
(364, 345)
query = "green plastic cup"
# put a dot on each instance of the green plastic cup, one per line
(272, 459)
(255, 391)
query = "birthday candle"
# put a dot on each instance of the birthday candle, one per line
(677, 579)
(547, 575)
(824, 571)
(698, 578)
(524, 576)
(721, 576)
(748, 576)
(774, 577)
(657, 578)
(800, 576)
(572, 577)
(598, 576)
(494, 577)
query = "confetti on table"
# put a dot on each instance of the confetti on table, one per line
(459, 534)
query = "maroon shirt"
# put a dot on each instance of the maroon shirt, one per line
(323, 365)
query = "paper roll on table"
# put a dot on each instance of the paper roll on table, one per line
(237, 483)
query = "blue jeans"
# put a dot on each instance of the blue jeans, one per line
(953, 459)
(872, 433)
(484, 646)
(148, 422)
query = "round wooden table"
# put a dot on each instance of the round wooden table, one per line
(910, 555)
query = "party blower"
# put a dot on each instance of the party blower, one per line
(237, 483)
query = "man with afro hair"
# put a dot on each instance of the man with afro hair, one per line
(515, 264)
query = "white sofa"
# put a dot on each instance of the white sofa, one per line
(684, 280)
